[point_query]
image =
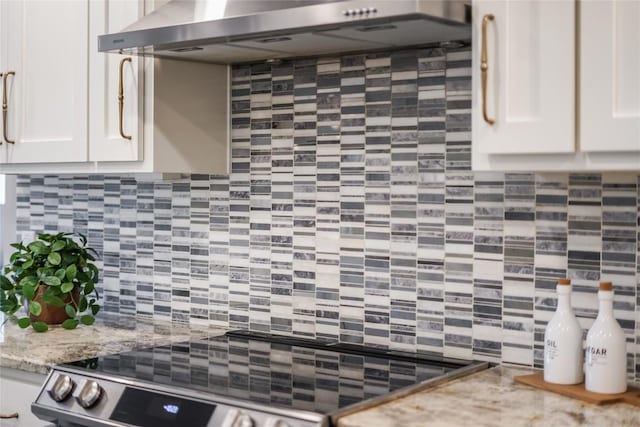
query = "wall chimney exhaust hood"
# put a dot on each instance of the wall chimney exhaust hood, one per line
(232, 31)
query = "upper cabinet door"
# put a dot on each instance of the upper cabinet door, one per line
(530, 87)
(114, 120)
(3, 61)
(610, 76)
(46, 48)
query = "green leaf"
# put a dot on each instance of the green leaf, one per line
(24, 322)
(94, 270)
(38, 248)
(39, 326)
(18, 246)
(8, 301)
(70, 324)
(83, 304)
(29, 281)
(58, 245)
(45, 236)
(35, 308)
(5, 284)
(50, 291)
(72, 270)
(53, 300)
(29, 291)
(60, 273)
(95, 309)
(27, 264)
(9, 304)
(87, 320)
(71, 312)
(54, 258)
(83, 239)
(89, 287)
(95, 253)
(51, 281)
(66, 287)
(69, 258)
(8, 307)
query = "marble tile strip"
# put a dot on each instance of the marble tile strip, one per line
(351, 213)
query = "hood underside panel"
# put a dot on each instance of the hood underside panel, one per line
(232, 31)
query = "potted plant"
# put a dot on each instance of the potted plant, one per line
(54, 279)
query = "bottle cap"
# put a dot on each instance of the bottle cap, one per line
(606, 286)
(564, 281)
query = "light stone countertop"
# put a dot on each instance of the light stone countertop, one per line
(491, 399)
(28, 350)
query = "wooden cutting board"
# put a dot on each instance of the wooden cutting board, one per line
(631, 396)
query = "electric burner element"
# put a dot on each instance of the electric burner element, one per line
(240, 379)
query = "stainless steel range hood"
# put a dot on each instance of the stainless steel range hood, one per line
(231, 31)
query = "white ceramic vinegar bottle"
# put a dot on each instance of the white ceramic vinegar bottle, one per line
(606, 356)
(563, 341)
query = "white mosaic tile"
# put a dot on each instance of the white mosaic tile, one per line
(351, 213)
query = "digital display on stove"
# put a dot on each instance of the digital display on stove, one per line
(148, 409)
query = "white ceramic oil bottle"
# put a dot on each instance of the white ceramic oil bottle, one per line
(563, 341)
(606, 356)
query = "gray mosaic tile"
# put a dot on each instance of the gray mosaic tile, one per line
(351, 213)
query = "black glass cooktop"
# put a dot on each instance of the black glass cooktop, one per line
(281, 371)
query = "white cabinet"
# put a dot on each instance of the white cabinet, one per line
(530, 88)
(45, 43)
(114, 135)
(175, 112)
(64, 111)
(610, 76)
(532, 47)
(3, 63)
(18, 389)
(184, 122)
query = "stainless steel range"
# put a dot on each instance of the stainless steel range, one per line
(240, 379)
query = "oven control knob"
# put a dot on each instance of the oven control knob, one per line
(61, 388)
(237, 418)
(243, 420)
(276, 422)
(89, 394)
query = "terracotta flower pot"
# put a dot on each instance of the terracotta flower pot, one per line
(52, 315)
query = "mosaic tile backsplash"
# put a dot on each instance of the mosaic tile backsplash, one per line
(351, 213)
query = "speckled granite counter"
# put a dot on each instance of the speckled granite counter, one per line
(30, 351)
(491, 399)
